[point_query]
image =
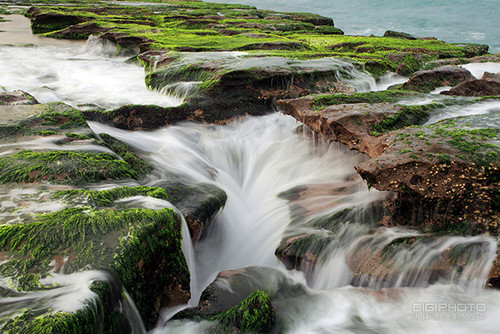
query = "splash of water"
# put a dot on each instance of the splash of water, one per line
(77, 75)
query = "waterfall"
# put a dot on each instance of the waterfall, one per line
(260, 158)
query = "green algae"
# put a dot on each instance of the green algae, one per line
(196, 26)
(392, 96)
(253, 315)
(99, 315)
(474, 143)
(127, 154)
(140, 245)
(107, 198)
(406, 116)
(63, 167)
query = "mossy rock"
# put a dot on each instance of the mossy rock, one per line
(39, 120)
(127, 154)
(199, 203)
(253, 315)
(139, 245)
(65, 167)
(233, 291)
(98, 315)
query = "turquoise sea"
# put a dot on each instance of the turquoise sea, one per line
(457, 21)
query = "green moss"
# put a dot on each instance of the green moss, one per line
(392, 96)
(63, 167)
(196, 26)
(100, 315)
(474, 143)
(127, 154)
(407, 116)
(106, 198)
(253, 315)
(141, 245)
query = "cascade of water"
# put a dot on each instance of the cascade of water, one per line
(256, 160)
(181, 89)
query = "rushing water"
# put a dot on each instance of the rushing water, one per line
(459, 21)
(257, 159)
(254, 161)
(75, 73)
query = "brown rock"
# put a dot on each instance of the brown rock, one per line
(346, 123)
(482, 87)
(426, 81)
(80, 31)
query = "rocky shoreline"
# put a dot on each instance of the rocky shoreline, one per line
(442, 177)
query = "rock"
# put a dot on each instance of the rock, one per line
(16, 97)
(139, 117)
(47, 22)
(444, 175)
(488, 85)
(254, 314)
(24, 122)
(396, 34)
(80, 31)
(494, 77)
(275, 46)
(17, 121)
(234, 288)
(130, 45)
(102, 239)
(353, 124)
(230, 88)
(301, 252)
(100, 314)
(199, 203)
(314, 19)
(426, 81)
(155, 59)
(127, 154)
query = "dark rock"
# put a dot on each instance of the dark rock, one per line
(198, 203)
(488, 85)
(396, 34)
(426, 81)
(131, 44)
(42, 23)
(275, 46)
(80, 31)
(139, 117)
(316, 20)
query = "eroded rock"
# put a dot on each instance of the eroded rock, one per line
(426, 81)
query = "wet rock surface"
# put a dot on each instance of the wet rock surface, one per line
(17, 97)
(426, 81)
(488, 85)
(90, 230)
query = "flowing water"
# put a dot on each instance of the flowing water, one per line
(280, 182)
